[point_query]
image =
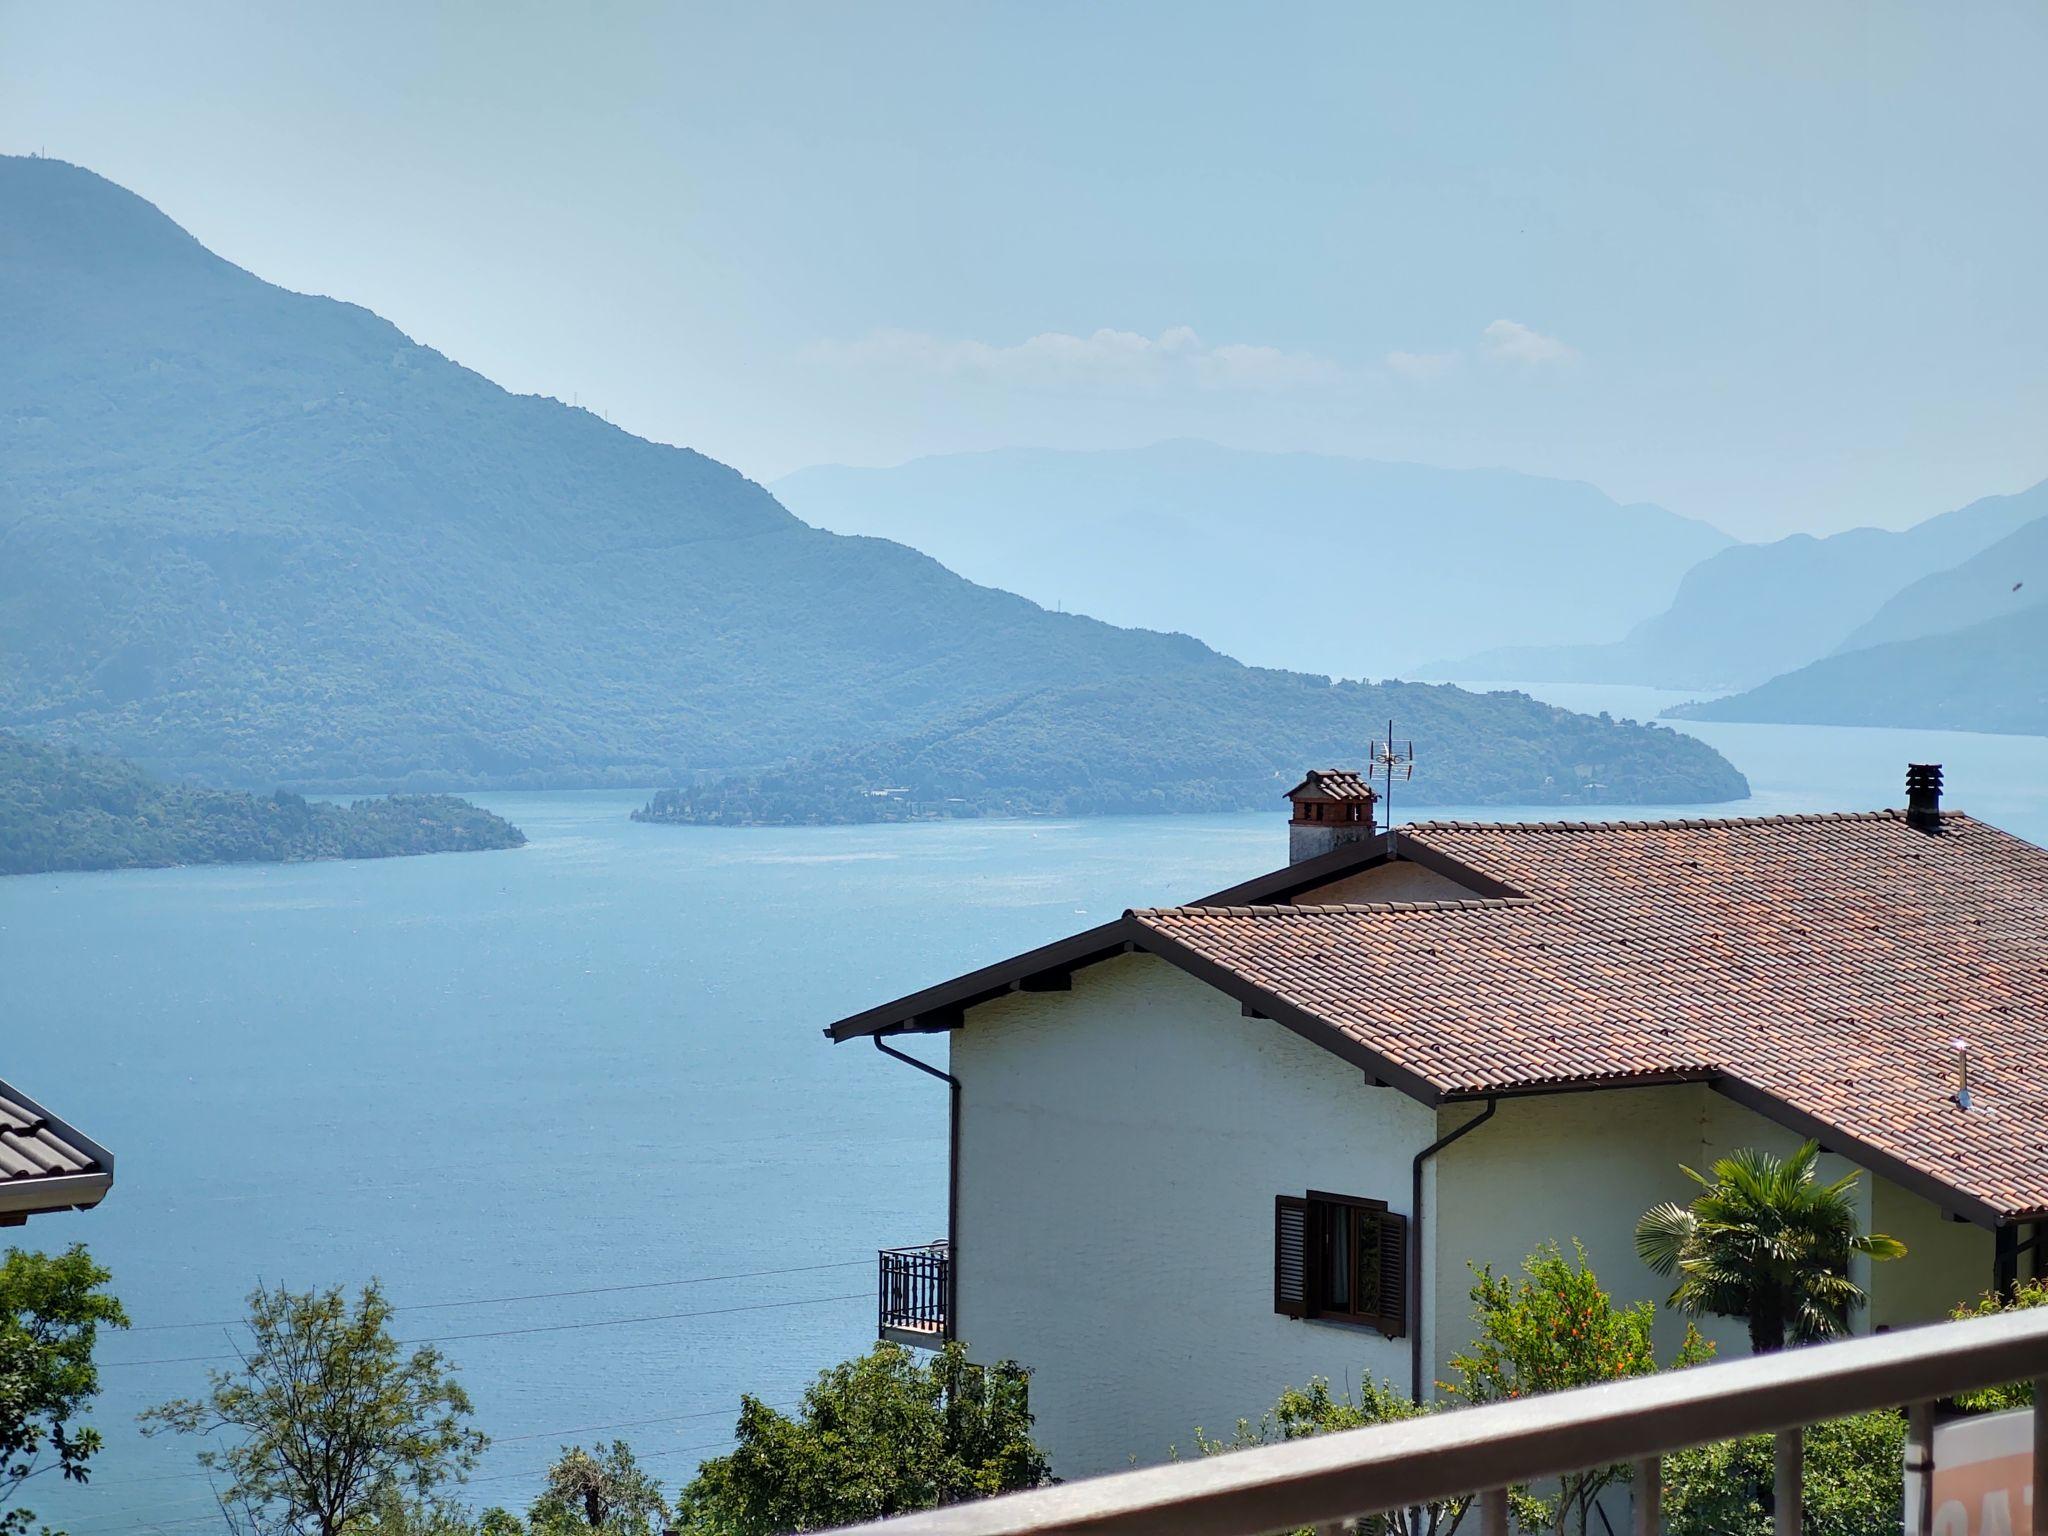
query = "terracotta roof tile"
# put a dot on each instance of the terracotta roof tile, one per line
(1826, 961)
(1335, 784)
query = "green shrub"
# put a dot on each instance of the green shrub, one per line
(876, 1436)
(2014, 1394)
(1854, 1481)
(1305, 1411)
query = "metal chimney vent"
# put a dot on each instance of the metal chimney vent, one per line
(1923, 796)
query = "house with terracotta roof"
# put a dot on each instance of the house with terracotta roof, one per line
(45, 1164)
(1204, 1152)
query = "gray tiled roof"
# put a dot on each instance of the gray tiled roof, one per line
(43, 1158)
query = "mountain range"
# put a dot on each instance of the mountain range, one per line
(1754, 611)
(1319, 563)
(1964, 649)
(262, 538)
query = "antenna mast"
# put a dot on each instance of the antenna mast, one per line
(1388, 760)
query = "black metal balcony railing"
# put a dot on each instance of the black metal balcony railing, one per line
(915, 1294)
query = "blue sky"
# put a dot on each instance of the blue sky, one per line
(1775, 266)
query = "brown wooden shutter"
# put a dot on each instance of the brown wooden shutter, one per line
(1393, 1274)
(1290, 1255)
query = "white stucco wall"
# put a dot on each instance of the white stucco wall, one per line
(1946, 1262)
(1587, 1165)
(1550, 1169)
(1121, 1146)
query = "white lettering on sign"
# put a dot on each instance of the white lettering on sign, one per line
(1983, 1472)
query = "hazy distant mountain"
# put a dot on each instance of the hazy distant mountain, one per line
(1755, 610)
(1991, 676)
(1345, 566)
(2006, 577)
(1965, 648)
(256, 536)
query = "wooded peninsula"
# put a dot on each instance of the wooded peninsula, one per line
(64, 810)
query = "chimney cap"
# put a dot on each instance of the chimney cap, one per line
(1333, 784)
(1923, 796)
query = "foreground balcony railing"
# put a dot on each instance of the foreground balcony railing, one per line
(915, 1295)
(1327, 1481)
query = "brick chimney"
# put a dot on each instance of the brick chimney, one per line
(1332, 807)
(1923, 797)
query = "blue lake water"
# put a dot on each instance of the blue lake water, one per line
(595, 1063)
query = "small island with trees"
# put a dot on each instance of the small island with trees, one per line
(63, 810)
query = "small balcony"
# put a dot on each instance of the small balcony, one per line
(914, 1296)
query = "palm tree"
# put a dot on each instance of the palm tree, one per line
(1765, 1241)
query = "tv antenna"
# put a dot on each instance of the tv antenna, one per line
(1388, 760)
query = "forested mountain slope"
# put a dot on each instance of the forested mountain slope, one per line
(256, 537)
(72, 811)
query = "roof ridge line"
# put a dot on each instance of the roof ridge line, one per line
(1789, 818)
(1298, 909)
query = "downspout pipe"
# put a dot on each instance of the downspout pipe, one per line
(1415, 1243)
(952, 1169)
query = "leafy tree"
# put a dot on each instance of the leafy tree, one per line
(1765, 1241)
(2013, 1394)
(392, 1512)
(51, 1311)
(1302, 1412)
(878, 1435)
(1556, 1328)
(1854, 1481)
(326, 1417)
(605, 1492)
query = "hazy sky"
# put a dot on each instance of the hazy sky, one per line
(1776, 266)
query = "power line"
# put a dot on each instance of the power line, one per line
(505, 1333)
(593, 1290)
(122, 1517)
(496, 1440)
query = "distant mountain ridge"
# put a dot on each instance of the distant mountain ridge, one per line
(1960, 649)
(251, 536)
(2006, 577)
(1353, 567)
(1991, 676)
(1756, 610)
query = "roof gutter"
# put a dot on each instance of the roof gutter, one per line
(952, 1174)
(23, 1198)
(1415, 1229)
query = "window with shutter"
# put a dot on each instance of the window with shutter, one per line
(1393, 1261)
(1341, 1257)
(1290, 1255)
